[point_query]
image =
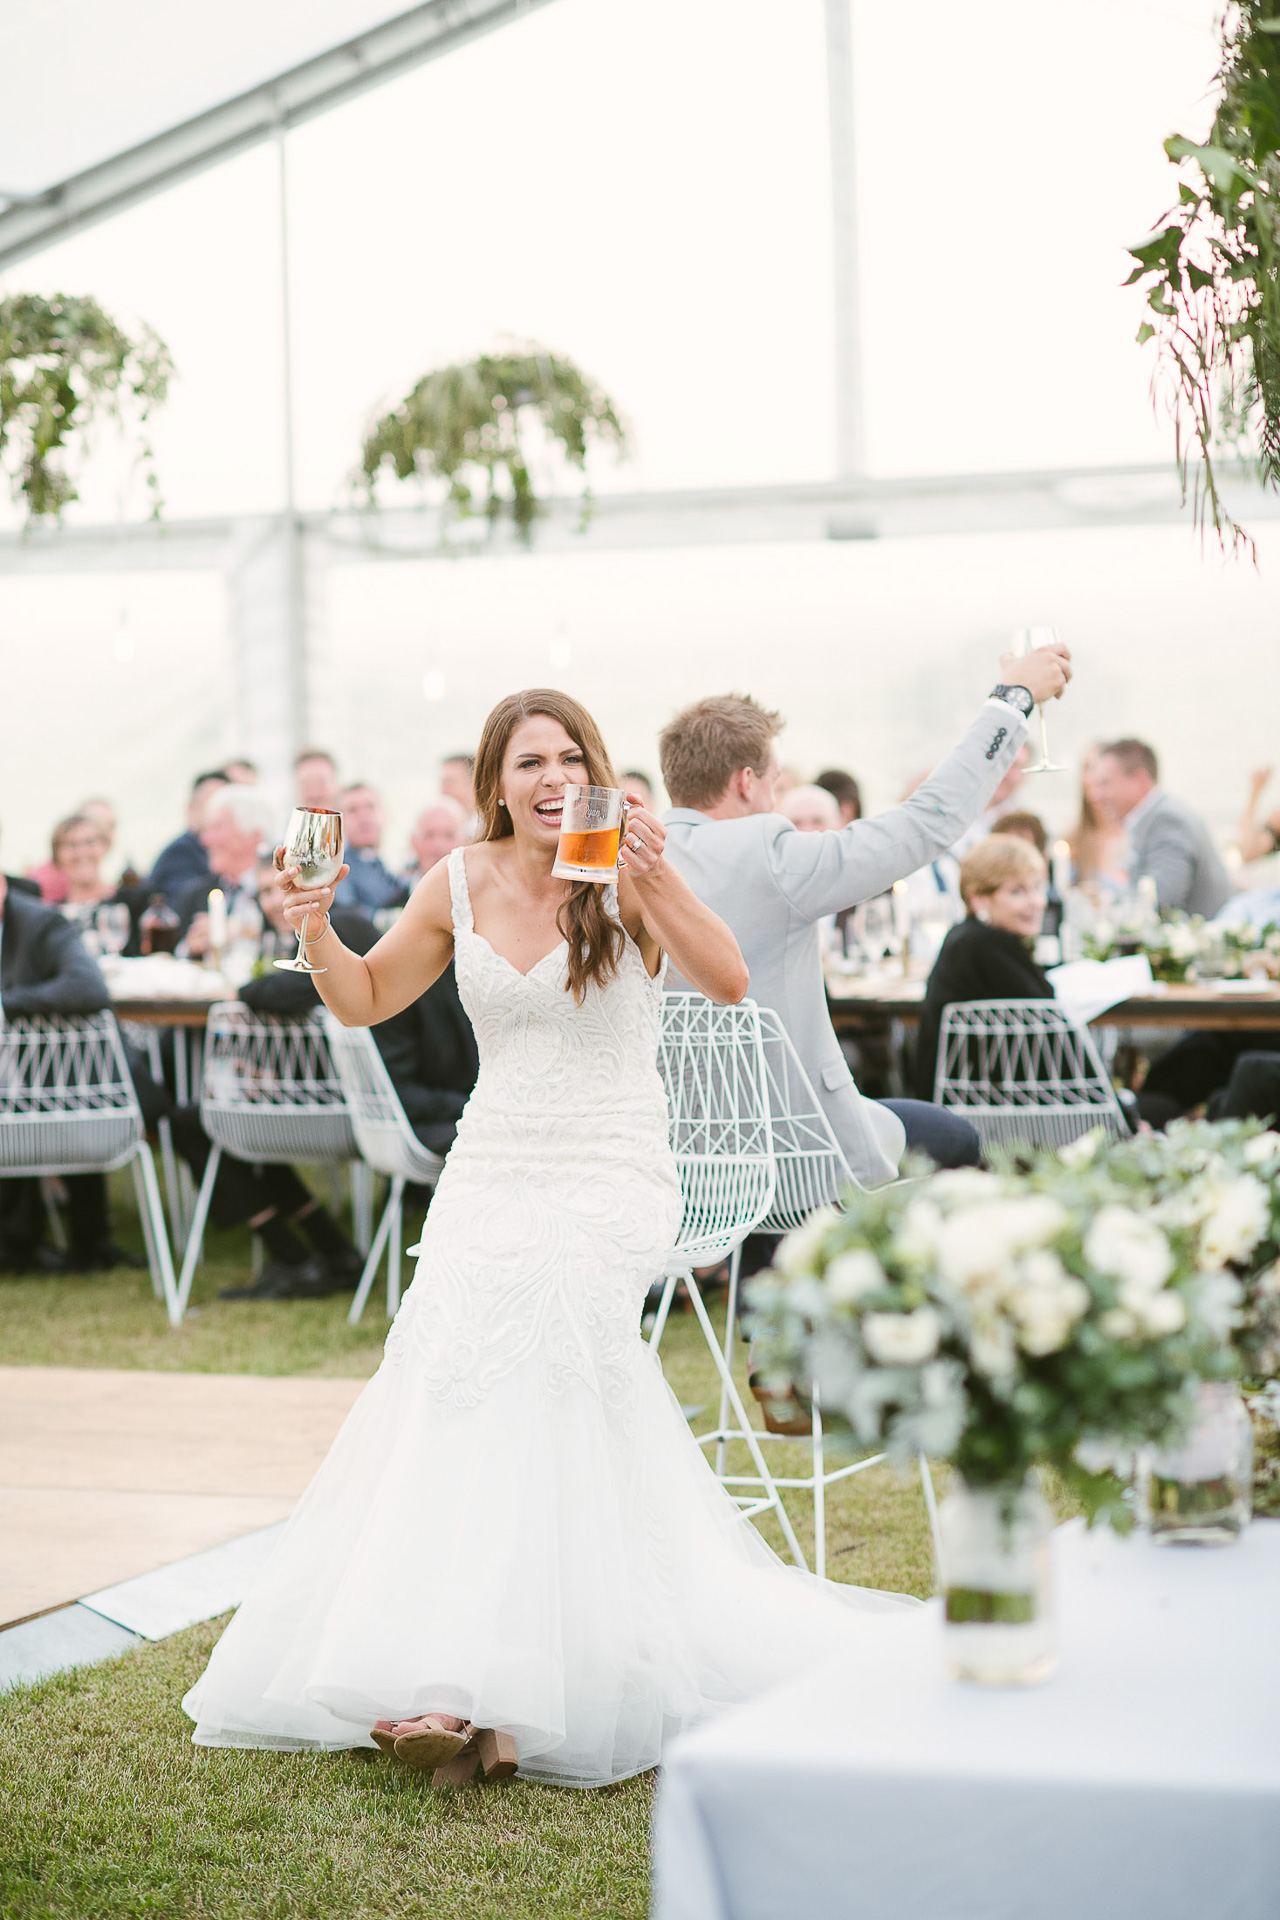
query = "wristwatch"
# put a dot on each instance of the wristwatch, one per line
(1019, 697)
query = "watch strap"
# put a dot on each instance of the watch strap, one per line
(1019, 697)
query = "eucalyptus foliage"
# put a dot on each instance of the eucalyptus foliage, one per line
(1211, 273)
(63, 364)
(468, 424)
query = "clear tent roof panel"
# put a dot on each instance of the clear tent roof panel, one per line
(80, 81)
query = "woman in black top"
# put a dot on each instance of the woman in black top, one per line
(989, 955)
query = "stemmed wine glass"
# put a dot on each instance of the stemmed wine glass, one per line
(313, 844)
(1026, 640)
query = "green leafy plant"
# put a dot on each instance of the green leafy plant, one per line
(63, 364)
(470, 423)
(1211, 272)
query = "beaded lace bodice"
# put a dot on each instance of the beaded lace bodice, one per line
(560, 1198)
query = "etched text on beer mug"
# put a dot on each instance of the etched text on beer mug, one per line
(590, 831)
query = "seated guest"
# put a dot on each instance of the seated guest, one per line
(1099, 845)
(1166, 840)
(457, 781)
(438, 829)
(639, 785)
(243, 771)
(989, 955)
(811, 810)
(1025, 826)
(238, 821)
(184, 861)
(370, 884)
(1253, 1090)
(846, 791)
(44, 969)
(79, 849)
(315, 779)
(773, 885)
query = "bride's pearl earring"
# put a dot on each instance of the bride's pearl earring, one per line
(502, 803)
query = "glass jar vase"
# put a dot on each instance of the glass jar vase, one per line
(1201, 1493)
(998, 1620)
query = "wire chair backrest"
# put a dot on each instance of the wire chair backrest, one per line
(1023, 1073)
(812, 1169)
(386, 1141)
(270, 1089)
(67, 1103)
(712, 1065)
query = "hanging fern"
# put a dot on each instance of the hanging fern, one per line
(63, 363)
(467, 424)
(1211, 273)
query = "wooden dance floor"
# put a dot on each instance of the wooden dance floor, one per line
(104, 1476)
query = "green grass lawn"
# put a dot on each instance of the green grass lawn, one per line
(108, 1810)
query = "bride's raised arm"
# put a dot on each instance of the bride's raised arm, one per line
(663, 914)
(394, 973)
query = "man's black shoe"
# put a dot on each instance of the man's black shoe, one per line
(309, 1280)
(344, 1268)
(33, 1260)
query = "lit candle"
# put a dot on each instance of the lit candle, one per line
(217, 919)
(1061, 868)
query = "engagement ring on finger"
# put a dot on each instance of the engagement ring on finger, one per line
(634, 842)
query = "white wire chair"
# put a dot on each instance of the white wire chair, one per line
(67, 1106)
(712, 1063)
(1023, 1073)
(812, 1172)
(270, 1094)
(387, 1143)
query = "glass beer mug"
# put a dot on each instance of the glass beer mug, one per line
(591, 828)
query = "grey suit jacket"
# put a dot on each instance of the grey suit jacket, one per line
(772, 885)
(1173, 845)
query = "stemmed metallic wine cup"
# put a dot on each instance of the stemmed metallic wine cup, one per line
(313, 844)
(1026, 640)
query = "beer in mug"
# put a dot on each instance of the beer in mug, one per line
(590, 833)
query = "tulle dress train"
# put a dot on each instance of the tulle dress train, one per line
(515, 1524)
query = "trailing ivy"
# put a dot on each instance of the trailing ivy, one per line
(64, 363)
(466, 424)
(1211, 273)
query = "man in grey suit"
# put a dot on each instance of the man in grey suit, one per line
(1166, 840)
(773, 885)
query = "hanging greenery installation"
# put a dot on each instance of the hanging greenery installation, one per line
(63, 364)
(468, 424)
(1211, 273)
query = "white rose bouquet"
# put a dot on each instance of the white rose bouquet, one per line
(1219, 1181)
(999, 1321)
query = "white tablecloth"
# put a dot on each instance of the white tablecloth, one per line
(1143, 1780)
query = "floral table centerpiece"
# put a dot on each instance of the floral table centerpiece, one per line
(1001, 1322)
(1219, 1181)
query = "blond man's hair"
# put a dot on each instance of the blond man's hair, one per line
(704, 746)
(1000, 857)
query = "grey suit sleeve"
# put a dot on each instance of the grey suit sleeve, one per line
(73, 981)
(824, 873)
(1168, 857)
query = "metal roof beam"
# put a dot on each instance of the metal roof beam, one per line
(421, 34)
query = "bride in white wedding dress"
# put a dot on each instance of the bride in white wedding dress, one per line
(515, 1550)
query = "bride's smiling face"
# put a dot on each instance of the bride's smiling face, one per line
(541, 761)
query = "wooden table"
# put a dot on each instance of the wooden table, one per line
(187, 1020)
(855, 1008)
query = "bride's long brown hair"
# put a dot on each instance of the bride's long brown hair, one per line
(595, 942)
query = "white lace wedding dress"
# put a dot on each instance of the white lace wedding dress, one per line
(515, 1524)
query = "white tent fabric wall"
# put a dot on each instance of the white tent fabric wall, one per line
(115, 685)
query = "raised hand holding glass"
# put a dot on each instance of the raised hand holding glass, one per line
(312, 844)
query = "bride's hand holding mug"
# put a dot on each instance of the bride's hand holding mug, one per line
(643, 840)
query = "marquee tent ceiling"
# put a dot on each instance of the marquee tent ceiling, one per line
(100, 106)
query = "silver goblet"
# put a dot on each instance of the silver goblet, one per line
(312, 844)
